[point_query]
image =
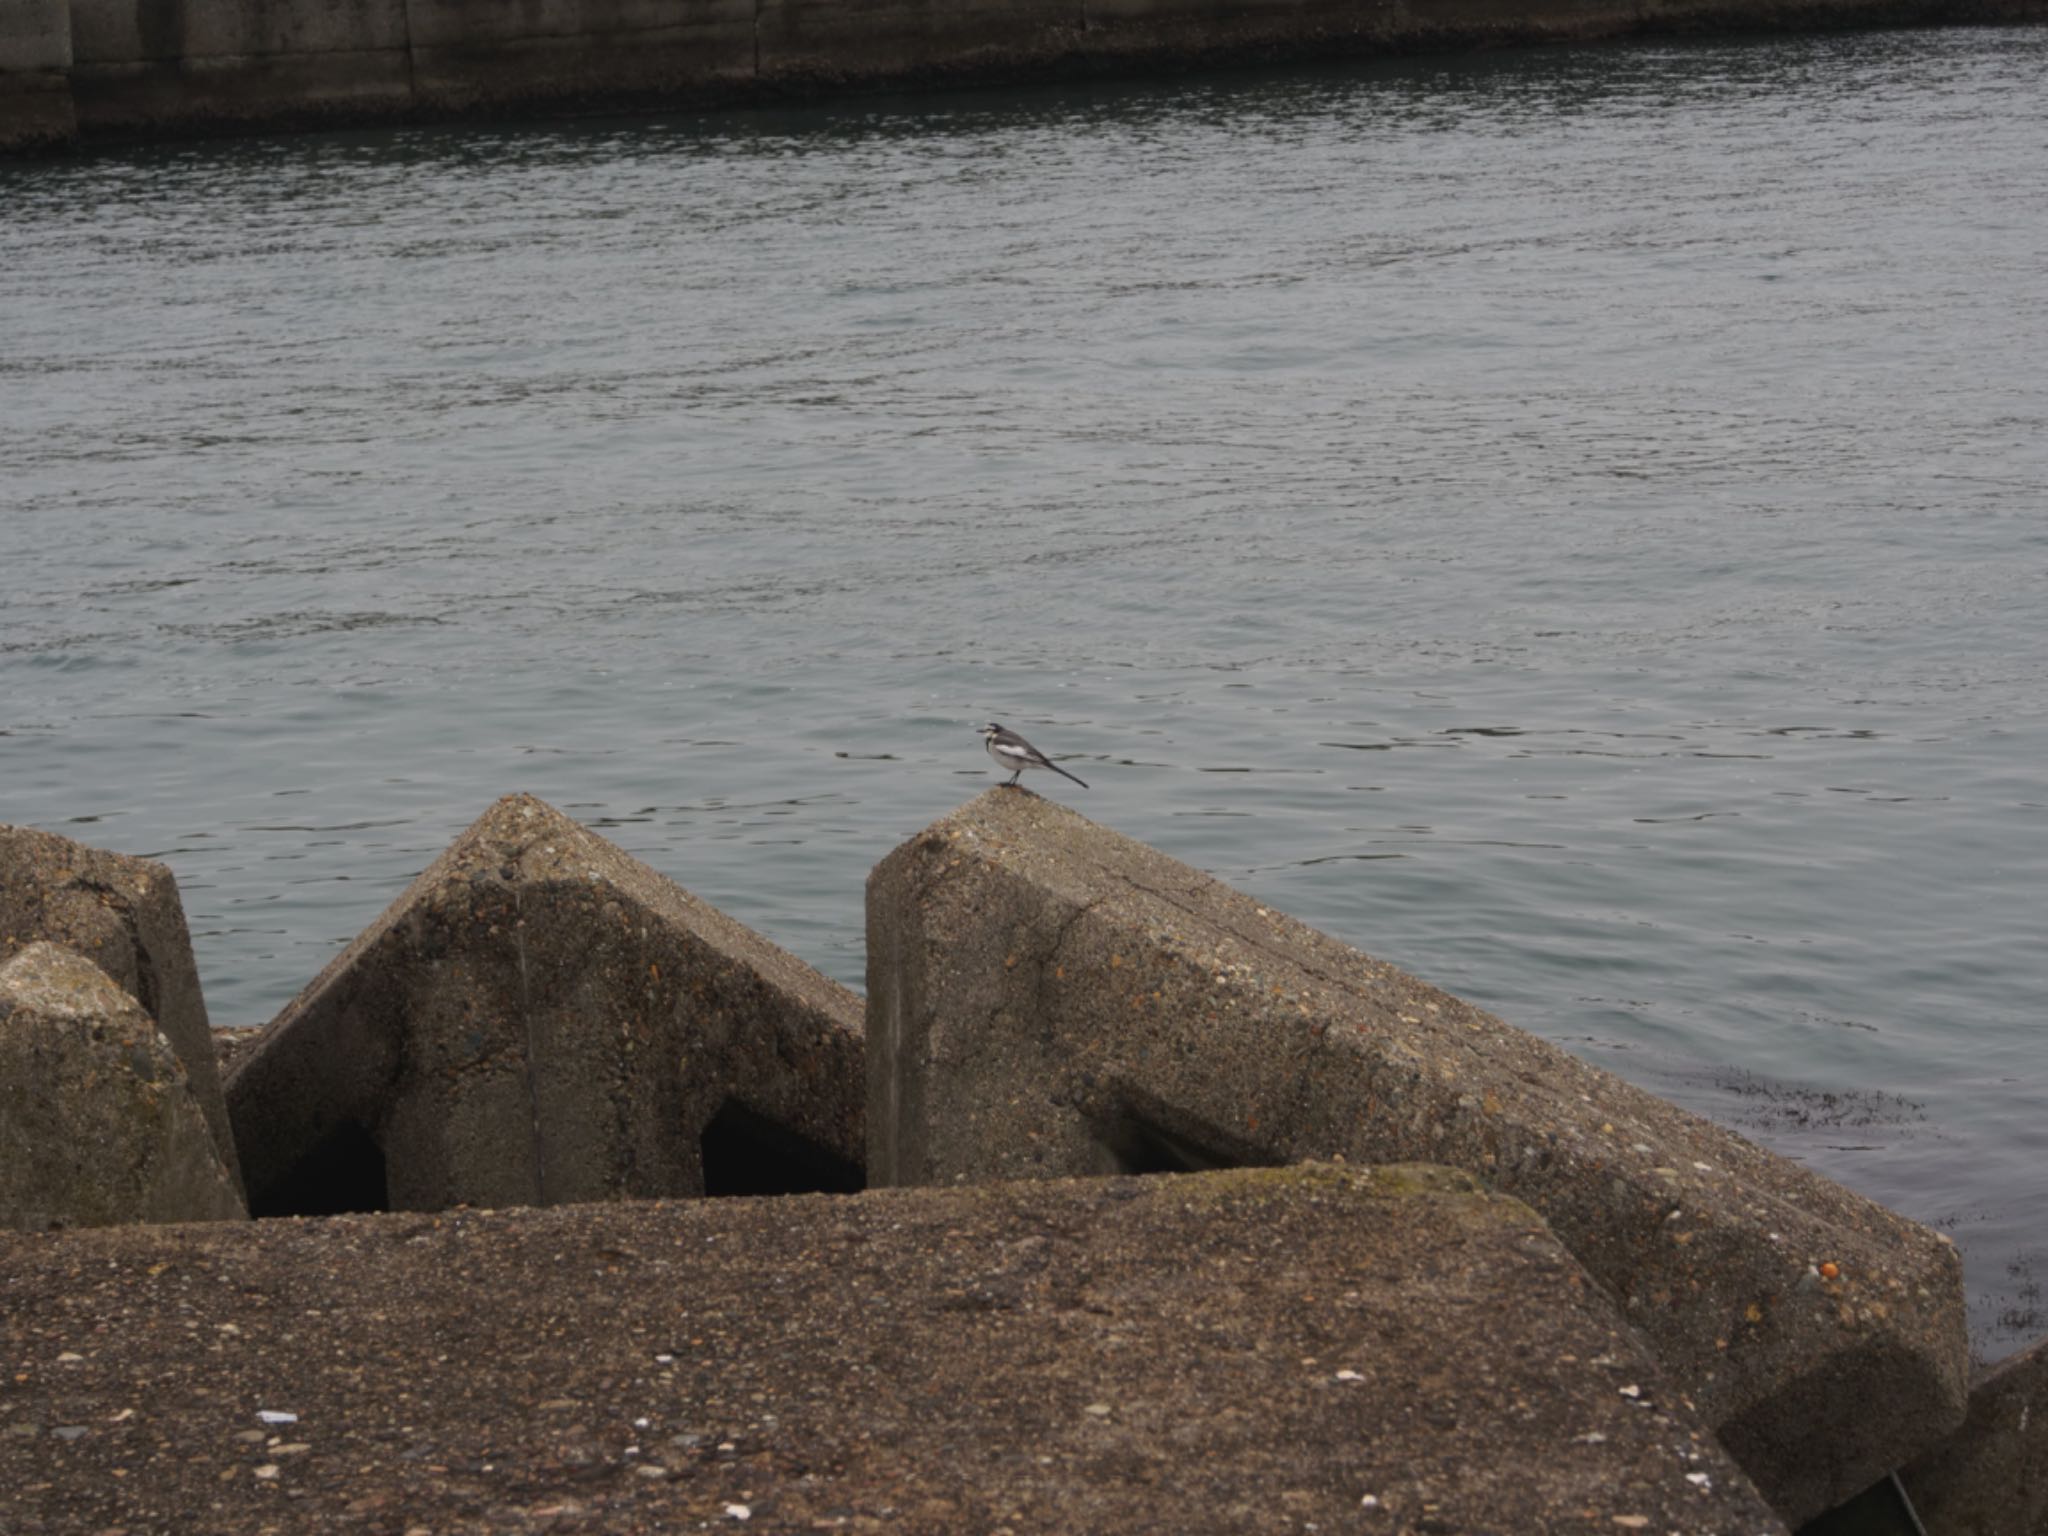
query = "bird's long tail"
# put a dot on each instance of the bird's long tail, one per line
(1056, 768)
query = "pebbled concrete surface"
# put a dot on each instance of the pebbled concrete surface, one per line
(1381, 1351)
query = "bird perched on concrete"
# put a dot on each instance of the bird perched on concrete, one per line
(1014, 754)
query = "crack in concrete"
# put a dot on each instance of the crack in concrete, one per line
(1049, 961)
(1059, 940)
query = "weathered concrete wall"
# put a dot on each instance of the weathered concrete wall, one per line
(167, 66)
(143, 64)
(827, 41)
(1047, 998)
(35, 74)
(35, 35)
(470, 54)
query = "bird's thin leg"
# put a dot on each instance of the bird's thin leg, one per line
(1014, 778)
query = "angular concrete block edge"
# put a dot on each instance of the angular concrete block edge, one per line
(1047, 997)
(99, 1124)
(540, 1017)
(123, 913)
(1991, 1477)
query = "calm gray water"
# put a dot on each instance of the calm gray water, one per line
(1573, 523)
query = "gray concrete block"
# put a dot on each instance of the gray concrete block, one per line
(1991, 1478)
(540, 1018)
(98, 1121)
(1348, 1350)
(834, 40)
(124, 915)
(1046, 997)
(472, 53)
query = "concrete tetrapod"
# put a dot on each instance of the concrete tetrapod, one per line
(1991, 1479)
(1046, 997)
(541, 1018)
(123, 914)
(98, 1121)
(1374, 1351)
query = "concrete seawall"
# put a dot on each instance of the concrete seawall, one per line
(35, 74)
(75, 70)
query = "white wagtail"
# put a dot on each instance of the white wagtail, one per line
(1014, 754)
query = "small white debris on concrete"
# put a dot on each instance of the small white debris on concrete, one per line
(738, 1512)
(1631, 1390)
(1349, 1376)
(1699, 1480)
(1097, 1410)
(1370, 1501)
(267, 1471)
(68, 1358)
(276, 1416)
